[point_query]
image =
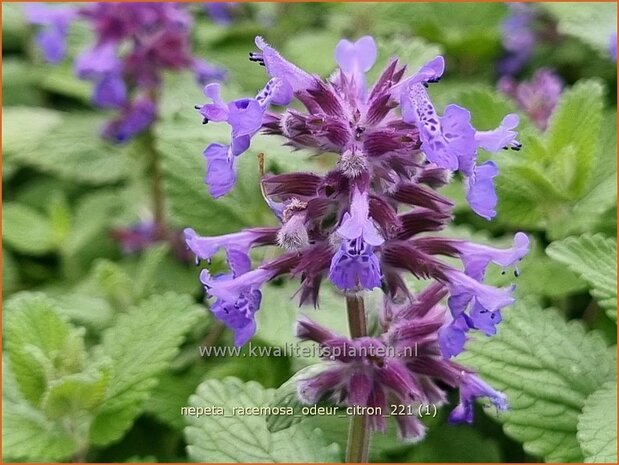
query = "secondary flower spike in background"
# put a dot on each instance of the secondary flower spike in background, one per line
(134, 43)
(366, 223)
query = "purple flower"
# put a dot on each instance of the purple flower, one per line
(238, 299)
(481, 194)
(538, 96)
(519, 39)
(612, 46)
(220, 12)
(472, 388)
(244, 116)
(134, 118)
(292, 78)
(451, 142)
(55, 24)
(236, 245)
(355, 266)
(357, 224)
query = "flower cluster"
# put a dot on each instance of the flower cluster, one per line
(134, 43)
(366, 223)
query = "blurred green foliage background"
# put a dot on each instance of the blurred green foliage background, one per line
(101, 347)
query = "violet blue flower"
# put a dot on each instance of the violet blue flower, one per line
(55, 23)
(612, 46)
(471, 388)
(519, 39)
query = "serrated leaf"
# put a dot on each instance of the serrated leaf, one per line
(594, 258)
(41, 345)
(597, 425)
(548, 368)
(26, 230)
(245, 438)
(140, 346)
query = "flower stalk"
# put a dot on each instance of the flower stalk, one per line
(357, 447)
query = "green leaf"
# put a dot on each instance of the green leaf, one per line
(571, 142)
(245, 438)
(72, 149)
(41, 345)
(172, 393)
(114, 284)
(454, 444)
(74, 393)
(548, 368)
(280, 310)
(25, 128)
(26, 230)
(27, 435)
(140, 345)
(597, 425)
(10, 273)
(593, 22)
(594, 258)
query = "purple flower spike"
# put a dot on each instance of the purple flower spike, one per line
(481, 194)
(471, 388)
(134, 44)
(53, 35)
(364, 224)
(500, 138)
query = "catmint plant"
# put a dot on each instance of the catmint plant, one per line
(134, 43)
(366, 224)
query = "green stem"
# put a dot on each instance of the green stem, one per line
(357, 447)
(158, 194)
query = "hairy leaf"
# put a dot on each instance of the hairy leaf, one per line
(594, 258)
(547, 368)
(235, 437)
